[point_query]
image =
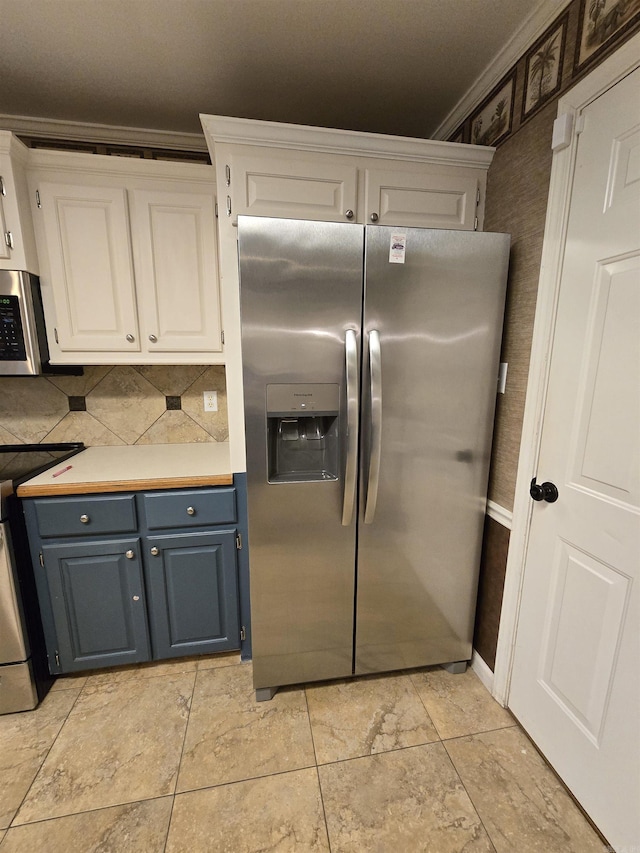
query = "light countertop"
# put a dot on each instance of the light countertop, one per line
(135, 467)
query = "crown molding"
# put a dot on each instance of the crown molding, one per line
(12, 146)
(227, 129)
(48, 128)
(541, 17)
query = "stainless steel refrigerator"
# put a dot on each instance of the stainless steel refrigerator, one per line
(370, 362)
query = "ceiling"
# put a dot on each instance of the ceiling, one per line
(386, 66)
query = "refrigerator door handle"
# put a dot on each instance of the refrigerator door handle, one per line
(351, 465)
(375, 373)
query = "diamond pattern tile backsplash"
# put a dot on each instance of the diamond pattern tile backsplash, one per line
(147, 404)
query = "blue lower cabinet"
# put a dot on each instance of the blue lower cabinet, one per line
(97, 601)
(192, 590)
(111, 599)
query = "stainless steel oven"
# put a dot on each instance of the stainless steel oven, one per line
(24, 669)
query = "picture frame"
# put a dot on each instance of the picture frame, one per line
(601, 24)
(458, 136)
(493, 119)
(543, 67)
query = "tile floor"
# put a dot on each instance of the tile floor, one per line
(176, 757)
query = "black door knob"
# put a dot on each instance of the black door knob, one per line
(543, 491)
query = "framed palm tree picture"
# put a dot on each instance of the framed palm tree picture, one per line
(543, 69)
(492, 121)
(602, 24)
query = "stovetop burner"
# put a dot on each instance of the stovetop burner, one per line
(20, 462)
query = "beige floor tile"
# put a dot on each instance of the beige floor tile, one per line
(152, 669)
(69, 682)
(161, 667)
(520, 801)
(122, 743)
(407, 800)
(459, 704)
(363, 716)
(232, 737)
(133, 828)
(2, 835)
(282, 812)
(222, 659)
(25, 740)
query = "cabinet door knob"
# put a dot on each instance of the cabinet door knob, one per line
(153, 339)
(84, 519)
(349, 214)
(374, 217)
(136, 598)
(190, 510)
(129, 555)
(155, 551)
(130, 338)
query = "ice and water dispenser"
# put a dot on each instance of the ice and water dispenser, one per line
(302, 432)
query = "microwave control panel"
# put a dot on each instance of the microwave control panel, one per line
(12, 346)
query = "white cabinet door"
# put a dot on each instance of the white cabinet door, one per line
(17, 242)
(420, 198)
(90, 265)
(5, 252)
(291, 184)
(176, 266)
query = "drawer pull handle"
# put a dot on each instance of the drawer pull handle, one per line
(129, 555)
(190, 510)
(155, 551)
(136, 598)
(84, 519)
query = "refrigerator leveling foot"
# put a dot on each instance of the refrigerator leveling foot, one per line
(456, 668)
(265, 694)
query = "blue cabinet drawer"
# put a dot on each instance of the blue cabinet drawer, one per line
(189, 508)
(86, 515)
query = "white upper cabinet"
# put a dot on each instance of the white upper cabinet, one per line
(175, 259)
(293, 185)
(296, 172)
(420, 198)
(5, 234)
(17, 242)
(90, 269)
(129, 260)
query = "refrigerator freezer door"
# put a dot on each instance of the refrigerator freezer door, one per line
(301, 294)
(436, 299)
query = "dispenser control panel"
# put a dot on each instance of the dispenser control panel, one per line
(317, 398)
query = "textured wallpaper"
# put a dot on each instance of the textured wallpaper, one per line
(518, 186)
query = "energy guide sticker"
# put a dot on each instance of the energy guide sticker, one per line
(397, 248)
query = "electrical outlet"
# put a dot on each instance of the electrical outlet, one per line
(210, 401)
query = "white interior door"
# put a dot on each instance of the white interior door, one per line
(575, 681)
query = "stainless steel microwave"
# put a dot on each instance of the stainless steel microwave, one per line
(23, 341)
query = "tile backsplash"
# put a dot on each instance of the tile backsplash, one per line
(146, 404)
